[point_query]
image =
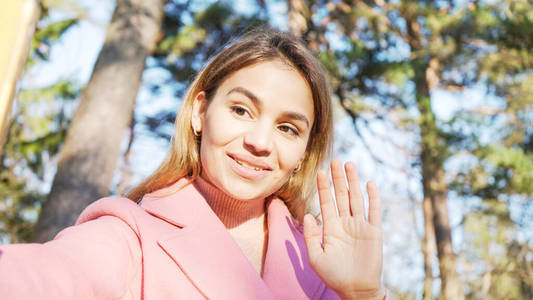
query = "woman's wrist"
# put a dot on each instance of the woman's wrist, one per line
(378, 294)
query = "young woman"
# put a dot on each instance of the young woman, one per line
(221, 218)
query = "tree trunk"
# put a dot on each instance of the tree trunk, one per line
(433, 152)
(92, 146)
(428, 248)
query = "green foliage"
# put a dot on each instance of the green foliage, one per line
(500, 171)
(18, 207)
(36, 131)
(44, 38)
(329, 61)
(35, 135)
(517, 165)
(185, 41)
(506, 272)
(214, 16)
(358, 50)
(400, 50)
(398, 73)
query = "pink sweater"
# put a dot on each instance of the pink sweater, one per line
(168, 247)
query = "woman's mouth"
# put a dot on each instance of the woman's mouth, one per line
(248, 168)
(242, 163)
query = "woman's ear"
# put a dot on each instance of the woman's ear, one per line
(198, 111)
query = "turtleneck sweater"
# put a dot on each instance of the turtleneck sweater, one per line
(232, 212)
(245, 220)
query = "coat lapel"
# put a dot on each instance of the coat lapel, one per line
(287, 271)
(207, 254)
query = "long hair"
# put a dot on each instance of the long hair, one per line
(260, 45)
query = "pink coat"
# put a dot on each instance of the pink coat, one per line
(171, 247)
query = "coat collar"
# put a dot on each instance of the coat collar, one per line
(212, 260)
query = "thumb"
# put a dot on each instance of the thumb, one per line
(312, 237)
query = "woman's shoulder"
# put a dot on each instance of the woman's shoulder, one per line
(123, 208)
(126, 209)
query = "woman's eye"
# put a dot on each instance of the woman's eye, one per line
(239, 110)
(290, 130)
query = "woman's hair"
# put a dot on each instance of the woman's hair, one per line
(260, 45)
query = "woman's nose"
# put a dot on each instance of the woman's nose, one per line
(258, 140)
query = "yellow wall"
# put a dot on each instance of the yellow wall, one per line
(18, 20)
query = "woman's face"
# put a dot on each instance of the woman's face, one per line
(255, 129)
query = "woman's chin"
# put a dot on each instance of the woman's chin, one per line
(241, 188)
(246, 195)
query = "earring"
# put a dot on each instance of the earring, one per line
(196, 133)
(297, 168)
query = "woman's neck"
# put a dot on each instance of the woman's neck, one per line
(232, 212)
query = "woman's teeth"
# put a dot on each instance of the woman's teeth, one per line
(248, 166)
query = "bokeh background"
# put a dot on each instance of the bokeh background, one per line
(433, 100)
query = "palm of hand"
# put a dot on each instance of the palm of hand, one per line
(350, 258)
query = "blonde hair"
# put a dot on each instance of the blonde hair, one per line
(264, 44)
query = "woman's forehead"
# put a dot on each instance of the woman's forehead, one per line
(272, 84)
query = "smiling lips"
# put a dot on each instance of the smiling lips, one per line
(248, 167)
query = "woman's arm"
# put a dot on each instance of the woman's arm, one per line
(99, 259)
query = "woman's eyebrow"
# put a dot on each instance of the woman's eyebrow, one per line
(297, 116)
(259, 103)
(248, 94)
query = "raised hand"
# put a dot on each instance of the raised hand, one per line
(349, 260)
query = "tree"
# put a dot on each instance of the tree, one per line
(500, 180)
(396, 53)
(92, 146)
(366, 68)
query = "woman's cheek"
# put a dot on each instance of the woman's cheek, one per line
(291, 154)
(221, 130)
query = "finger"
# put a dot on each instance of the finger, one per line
(357, 201)
(374, 204)
(341, 191)
(326, 202)
(312, 237)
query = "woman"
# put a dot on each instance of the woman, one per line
(220, 219)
